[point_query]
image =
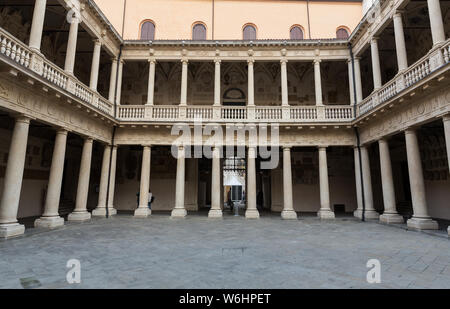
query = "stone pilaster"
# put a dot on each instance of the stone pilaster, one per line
(50, 217)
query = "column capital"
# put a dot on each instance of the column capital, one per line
(446, 118)
(286, 148)
(398, 13)
(317, 61)
(410, 130)
(60, 130)
(322, 147)
(251, 61)
(374, 39)
(383, 139)
(217, 61)
(152, 60)
(184, 61)
(114, 59)
(88, 139)
(97, 42)
(23, 118)
(146, 145)
(284, 61)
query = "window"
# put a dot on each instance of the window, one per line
(199, 32)
(148, 31)
(342, 34)
(249, 32)
(296, 33)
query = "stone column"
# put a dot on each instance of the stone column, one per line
(325, 211)
(350, 82)
(420, 220)
(50, 217)
(112, 80)
(390, 214)
(252, 211)
(95, 64)
(184, 82)
(288, 208)
(376, 69)
(80, 213)
(119, 82)
(37, 24)
(437, 26)
(143, 211)
(357, 213)
(446, 121)
(318, 82)
(100, 211)
(217, 82)
(251, 84)
(71, 46)
(216, 210)
(358, 83)
(284, 84)
(180, 211)
(112, 182)
(400, 46)
(12, 183)
(151, 82)
(370, 212)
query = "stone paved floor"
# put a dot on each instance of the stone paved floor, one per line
(160, 252)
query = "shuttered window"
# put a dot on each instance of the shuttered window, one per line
(341, 33)
(148, 31)
(249, 33)
(296, 33)
(199, 32)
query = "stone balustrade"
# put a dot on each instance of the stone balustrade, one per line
(434, 60)
(27, 59)
(335, 113)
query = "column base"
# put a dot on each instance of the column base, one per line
(142, 212)
(49, 222)
(79, 216)
(215, 213)
(252, 214)
(368, 214)
(179, 213)
(422, 224)
(11, 230)
(289, 215)
(326, 214)
(391, 218)
(101, 212)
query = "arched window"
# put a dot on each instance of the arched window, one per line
(199, 32)
(342, 33)
(249, 32)
(148, 31)
(296, 33)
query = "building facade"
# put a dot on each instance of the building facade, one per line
(320, 107)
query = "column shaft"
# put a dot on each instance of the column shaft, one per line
(37, 25)
(350, 82)
(358, 83)
(50, 217)
(80, 213)
(100, 211)
(288, 207)
(400, 46)
(12, 183)
(436, 23)
(216, 210)
(143, 210)
(217, 82)
(446, 121)
(359, 198)
(95, 64)
(71, 46)
(370, 212)
(112, 181)
(421, 219)
(284, 84)
(325, 211)
(180, 210)
(390, 214)
(112, 80)
(151, 82)
(318, 83)
(376, 69)
(251, 84)
(252, 211)
(119, 82)
(184, 83)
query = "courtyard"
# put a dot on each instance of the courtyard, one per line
(232, 253)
